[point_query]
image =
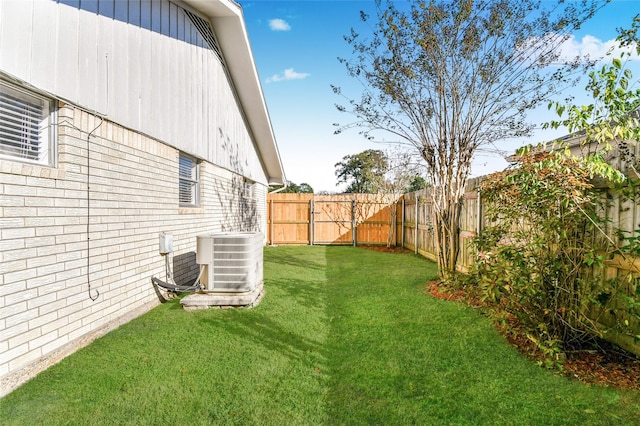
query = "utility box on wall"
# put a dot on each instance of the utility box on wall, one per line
(165, 241)
(233, 261)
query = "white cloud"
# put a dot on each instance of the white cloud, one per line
(592, 46)
(573, 48)
(279, 25)
(288, 74)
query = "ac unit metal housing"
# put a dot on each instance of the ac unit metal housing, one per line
(233, 261)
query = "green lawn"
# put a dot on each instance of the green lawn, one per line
(343, 336)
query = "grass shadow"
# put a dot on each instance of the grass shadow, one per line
(291, 256)
(261, 329)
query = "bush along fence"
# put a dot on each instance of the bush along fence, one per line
(557, 256)
(556, 251)
(550, 262)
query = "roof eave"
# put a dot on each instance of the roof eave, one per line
(228, 22)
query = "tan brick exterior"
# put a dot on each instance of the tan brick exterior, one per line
(88, 229)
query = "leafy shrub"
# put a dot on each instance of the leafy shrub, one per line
(537, 257)
(542, 256)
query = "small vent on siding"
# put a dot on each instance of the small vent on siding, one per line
(205, 31)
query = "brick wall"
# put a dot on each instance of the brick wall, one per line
(88, 229)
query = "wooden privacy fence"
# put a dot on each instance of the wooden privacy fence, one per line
(352, 219)
(347, 219)
(366, 219)
(621, 214)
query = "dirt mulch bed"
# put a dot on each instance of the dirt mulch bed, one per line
(606, 366)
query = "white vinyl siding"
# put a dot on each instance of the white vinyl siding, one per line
(123, 60)
(25, 132)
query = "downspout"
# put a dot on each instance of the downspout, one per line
(285, 186)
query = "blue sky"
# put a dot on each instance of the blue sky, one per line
(296, 44)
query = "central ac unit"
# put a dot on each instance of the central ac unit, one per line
(232, 260)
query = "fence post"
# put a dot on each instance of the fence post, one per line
(479, 212)
(417, 221)
(354, 231)
(402, 224)
(312, 214)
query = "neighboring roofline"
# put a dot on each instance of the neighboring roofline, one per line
(228, 24)
(572, 139)
(577, 138)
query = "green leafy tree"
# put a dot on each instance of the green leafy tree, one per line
(612, 118)
(293, 188)
(305, 188)
(449, 76)
(364, 172)
(417, 183)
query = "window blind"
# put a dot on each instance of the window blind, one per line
(23, 125)
(188, 182)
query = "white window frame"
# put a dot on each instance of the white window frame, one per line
(249, 190)
(188, 184)
(27, 126)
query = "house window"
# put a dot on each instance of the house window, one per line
(189, 183)
(25, 126)
(249, 189)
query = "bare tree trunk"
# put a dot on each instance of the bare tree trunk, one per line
(447, 233)
(447, 208)
(393, 213)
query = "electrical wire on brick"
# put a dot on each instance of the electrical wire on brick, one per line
(88, 197)
(97, 293)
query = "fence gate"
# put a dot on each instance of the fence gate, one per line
(333, 222)
(349, 219)
(289, 218)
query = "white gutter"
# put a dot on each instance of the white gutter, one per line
(285, 186)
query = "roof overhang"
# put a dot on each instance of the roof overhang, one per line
(229, 26)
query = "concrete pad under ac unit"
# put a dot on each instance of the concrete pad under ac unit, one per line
(249, 299)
